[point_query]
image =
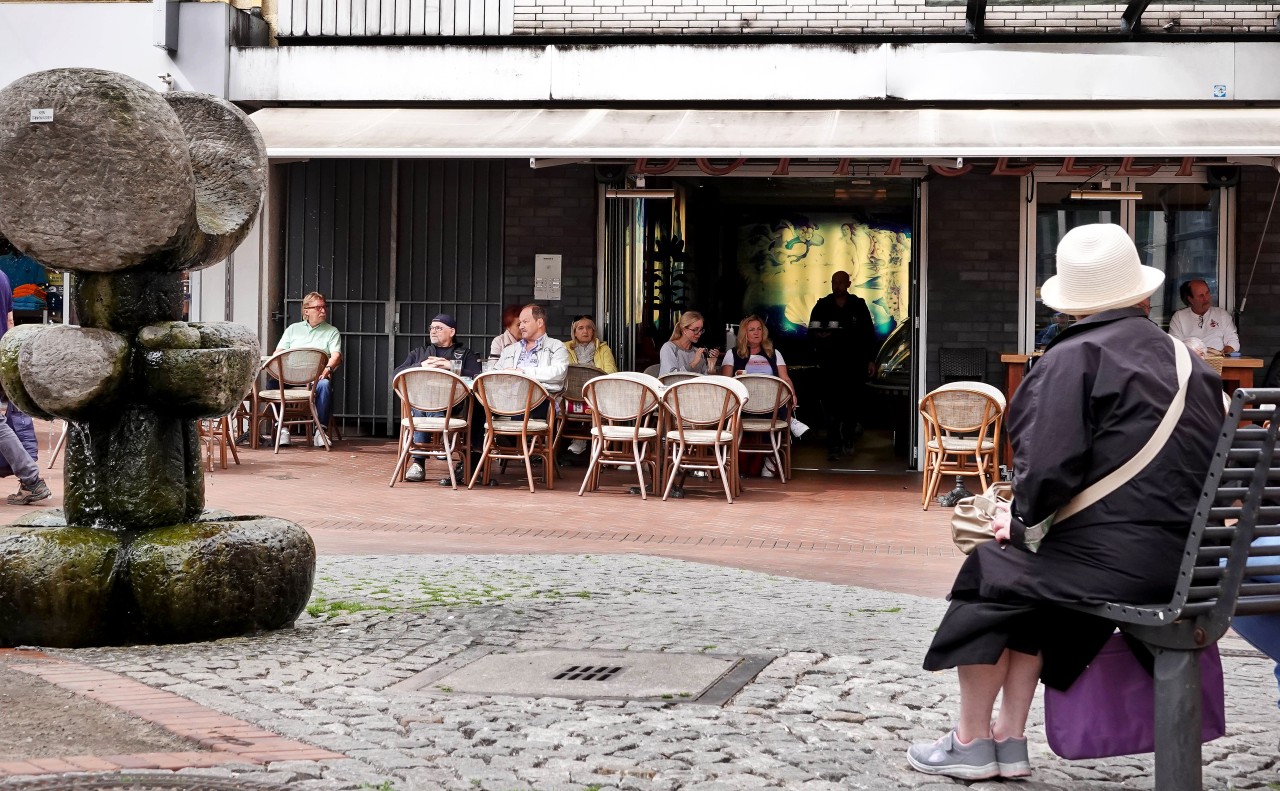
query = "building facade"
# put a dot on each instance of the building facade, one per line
(629, 159)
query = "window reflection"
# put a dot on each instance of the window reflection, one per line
(1176, 231)
(1056, 214)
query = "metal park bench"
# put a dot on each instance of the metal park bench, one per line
(1240, 502)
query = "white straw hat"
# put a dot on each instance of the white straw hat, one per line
(1098, 269)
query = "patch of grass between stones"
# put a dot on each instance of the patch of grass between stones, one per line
(324, 608)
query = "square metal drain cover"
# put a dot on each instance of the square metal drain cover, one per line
(629, 675)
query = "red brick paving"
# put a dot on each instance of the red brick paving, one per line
(229, 740)
(865, 530)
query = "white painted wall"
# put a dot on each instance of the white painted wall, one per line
(117, 37)
(788, 71)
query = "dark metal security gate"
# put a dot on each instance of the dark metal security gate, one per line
(390, 244)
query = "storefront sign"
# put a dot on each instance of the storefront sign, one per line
(1003, 167)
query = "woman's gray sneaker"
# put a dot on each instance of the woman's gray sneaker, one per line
(1011, 755)
(947, 756)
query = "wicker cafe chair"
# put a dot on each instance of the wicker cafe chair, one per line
(1215, 361)
(216, 435)
(435, 391)
(508, 398)
(672, 377)
(704, 429)
(765, 428)
(575, 420)
(624, 412)
(962, 423)
(293, 401)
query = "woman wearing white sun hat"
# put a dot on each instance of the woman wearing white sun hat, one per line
(1088, 406)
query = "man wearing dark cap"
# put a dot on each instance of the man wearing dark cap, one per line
(441, 353)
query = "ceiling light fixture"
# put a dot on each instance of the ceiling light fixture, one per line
(1105, 195)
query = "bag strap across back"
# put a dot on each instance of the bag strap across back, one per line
(1126, 471)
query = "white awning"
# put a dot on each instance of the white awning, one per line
(308, 132)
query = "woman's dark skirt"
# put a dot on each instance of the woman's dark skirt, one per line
(1006, 597)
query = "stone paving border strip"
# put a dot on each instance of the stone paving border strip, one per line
(231, 740)
(632, 537)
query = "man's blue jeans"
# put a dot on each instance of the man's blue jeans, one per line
(324, 400)
(1262, 631)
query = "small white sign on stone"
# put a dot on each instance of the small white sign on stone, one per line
(43, 115)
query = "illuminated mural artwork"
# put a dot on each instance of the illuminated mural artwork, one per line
(787, 266)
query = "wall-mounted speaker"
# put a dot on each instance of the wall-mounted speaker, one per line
(613, 175)
(1222, 175)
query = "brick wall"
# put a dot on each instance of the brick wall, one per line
(972, 237)
(551, 210)
(1260, 322)
(872, 17)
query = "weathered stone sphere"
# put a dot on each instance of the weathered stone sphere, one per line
(103, 187)
(218, 578)
(229, 161)
(197, 370)
(71, 372)
(56, 585)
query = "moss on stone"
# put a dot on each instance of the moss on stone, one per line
(197, 383)
(169, 335)
(207, 580)
(134, 470)
(56, 585)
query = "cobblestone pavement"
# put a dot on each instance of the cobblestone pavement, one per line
(835, 709)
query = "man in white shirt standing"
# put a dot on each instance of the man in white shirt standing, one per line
(1201, 319)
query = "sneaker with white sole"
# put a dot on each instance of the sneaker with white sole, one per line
(577, 446)
(416, 472)
(284, 437)
(1012, 757)
(30, 493)
(317, 439)
(769, 470)
(947, 756)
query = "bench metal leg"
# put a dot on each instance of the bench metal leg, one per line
(1178, 717)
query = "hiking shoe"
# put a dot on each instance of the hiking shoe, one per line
(1011, 755)
(30, 494)
(947, 756)
(416, 473)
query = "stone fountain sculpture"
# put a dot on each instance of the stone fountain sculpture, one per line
(127, 188)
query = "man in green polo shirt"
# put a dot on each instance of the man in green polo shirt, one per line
(315, 332)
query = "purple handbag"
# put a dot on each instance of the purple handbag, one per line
(1110, 709)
